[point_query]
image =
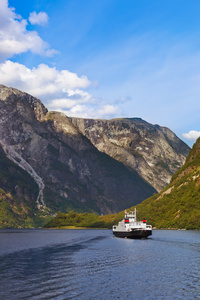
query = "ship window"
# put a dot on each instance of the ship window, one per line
(114, 227)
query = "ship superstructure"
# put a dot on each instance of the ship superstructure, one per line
(131, 228)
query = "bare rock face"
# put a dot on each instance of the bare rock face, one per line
(18, 193)
(69, 171)
(153, 151)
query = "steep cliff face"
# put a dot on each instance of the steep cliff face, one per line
(178, 205)
(68, 170)
(18, 192)
(153, 151)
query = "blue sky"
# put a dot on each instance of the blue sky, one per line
(107, 59)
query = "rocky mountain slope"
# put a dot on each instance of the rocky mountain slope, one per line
(18, 192)
(155, 152)
(178, 205)
(69, 172)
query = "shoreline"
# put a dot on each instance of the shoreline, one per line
(74, 227)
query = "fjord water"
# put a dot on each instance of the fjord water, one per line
(92, 264)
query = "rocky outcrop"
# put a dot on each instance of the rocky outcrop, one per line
(153, 151)
(69, 171)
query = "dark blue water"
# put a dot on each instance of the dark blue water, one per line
(92, 264)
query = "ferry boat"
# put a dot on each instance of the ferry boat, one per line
(129, 227)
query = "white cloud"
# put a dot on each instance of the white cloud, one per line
(94, 112)
(192, 135)
(108, 110)
(81, 104)
(43, 81)
(59, 90)
(40, 19)
(73, 97)
(15, 38)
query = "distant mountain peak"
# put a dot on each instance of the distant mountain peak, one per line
(155, 152)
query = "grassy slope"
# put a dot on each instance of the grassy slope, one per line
(85, 220)
(178, 205)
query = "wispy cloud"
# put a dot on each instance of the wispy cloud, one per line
(95, 111)
(160, 74)
(72, 98)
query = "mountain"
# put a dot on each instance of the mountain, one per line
(18, 192)
(178, 205)
(154, 152)
(64, 169)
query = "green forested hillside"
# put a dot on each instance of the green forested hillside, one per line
(86, 220)
(177, 206)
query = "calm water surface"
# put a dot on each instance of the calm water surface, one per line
(92, 264)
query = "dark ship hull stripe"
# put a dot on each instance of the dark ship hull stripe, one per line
(135, 234)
